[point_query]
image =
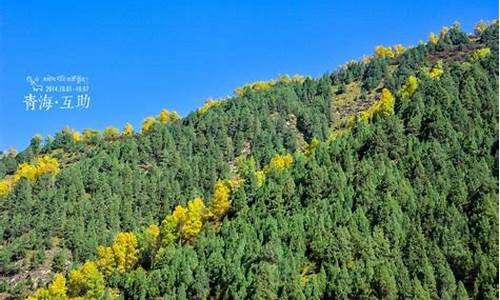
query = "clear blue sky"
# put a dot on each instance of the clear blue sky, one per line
(142, 56)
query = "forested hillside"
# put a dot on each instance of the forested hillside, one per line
(379, 180)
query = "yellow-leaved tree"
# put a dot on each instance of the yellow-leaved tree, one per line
(409, 87)
(166, 116)
(89, 133)
(383, 107)
(191, 218)
(147, 124)
(437, 70)
(279, 163)
(221, 199)
(111, 133)
(76, 136)
(125, 251)
(5, 186)
(480, 54)
(26, 171)
(121, 256)
(383, 52)
(86, 281)
(128, 130)
(56, 290)
(433, 39)
(46, 165)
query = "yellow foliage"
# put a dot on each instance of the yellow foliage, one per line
(436, 72)
(105, 260)
(209, 104)
(298, 78)
(153, 231)
(220, 199)
(46, 165)
(128, 130)
(383, 107)
(179, 213)
(279, 163)
(409, 87)
(27, 171)
(76, 136)
(87, 281)
(58, 287)
(433, 39)
(383, 52)
(191, 219)
(5, 186)
(89, 133)
(147, 124)
(42, 165)
(166, 116)
(55, 291)
(480, 54)
(121, 256)
(256, 86)
(261, 178)
(398, 49)
(125, 251)
(111, 132)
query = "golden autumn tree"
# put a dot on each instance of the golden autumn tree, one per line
(125, 251)
(221, 199)
(89, 133)
(147, 124)
(128, 130)
(121, 256)
(76, 136)
(383, 52)
(46, 165)
(433, 39)
(26, 171)
(86, 281)
(111, 133)
(56, 290)
(436, 71)
(480, 54)
(105, 260)
(164, 116)
(5, 186)
(209, 103)
(151, 236)
(383, 107)
(279, 163)
(191, 219)
(409, 87)
(398, 49)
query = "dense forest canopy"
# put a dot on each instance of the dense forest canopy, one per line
(379, 180)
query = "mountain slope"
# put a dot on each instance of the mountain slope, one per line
(397, 200)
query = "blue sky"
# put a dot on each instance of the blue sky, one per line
(142, 56)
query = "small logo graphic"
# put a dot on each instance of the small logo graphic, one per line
(34, 84)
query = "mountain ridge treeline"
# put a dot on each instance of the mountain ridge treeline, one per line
(391, 191)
